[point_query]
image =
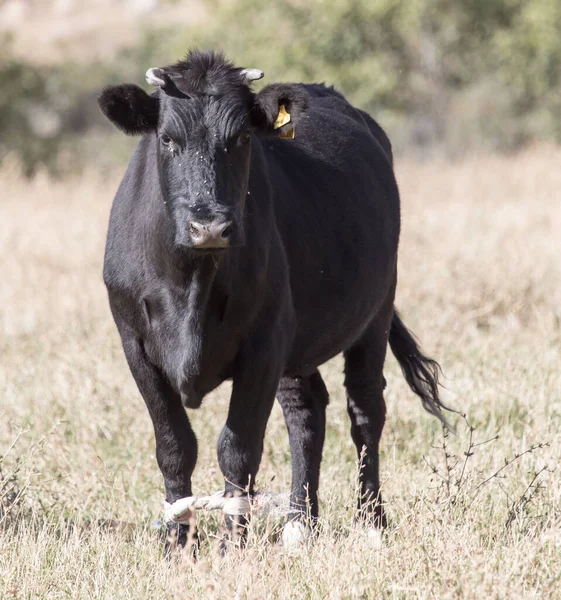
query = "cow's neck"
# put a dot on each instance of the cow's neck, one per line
(198, 287)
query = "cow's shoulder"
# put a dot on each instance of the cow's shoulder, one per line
(125, 249)
(323, 98)
(327, 98)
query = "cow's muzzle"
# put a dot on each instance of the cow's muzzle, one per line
(210, 235)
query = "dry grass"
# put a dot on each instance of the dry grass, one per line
(479, 283)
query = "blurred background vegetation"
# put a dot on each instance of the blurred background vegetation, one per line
(444, 78)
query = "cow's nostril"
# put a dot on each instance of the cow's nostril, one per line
(194, 229)
(211, 234)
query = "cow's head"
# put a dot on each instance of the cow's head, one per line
(204, 115)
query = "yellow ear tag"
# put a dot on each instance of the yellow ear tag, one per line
(282, 118)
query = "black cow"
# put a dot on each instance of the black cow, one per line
(237, 253)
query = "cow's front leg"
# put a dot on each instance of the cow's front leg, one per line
(240, 445)
(176, 445)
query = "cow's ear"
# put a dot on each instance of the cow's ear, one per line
(130, 108)
(278, 108)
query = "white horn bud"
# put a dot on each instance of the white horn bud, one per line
(249, 75)
(155, 76)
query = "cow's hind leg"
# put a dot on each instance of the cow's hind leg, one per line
(303, 401)
(365, 384)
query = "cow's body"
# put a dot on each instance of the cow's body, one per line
(315, 277)
(322, 212)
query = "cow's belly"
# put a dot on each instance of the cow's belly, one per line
(336, 294)
(325, 332)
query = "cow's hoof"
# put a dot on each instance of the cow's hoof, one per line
(181, 537)
(374, 538)
(295, 536)
(234, 533)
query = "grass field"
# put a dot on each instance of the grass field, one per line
(471, 515)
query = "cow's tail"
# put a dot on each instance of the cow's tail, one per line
(421, 373)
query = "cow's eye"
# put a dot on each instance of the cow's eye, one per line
(244, 137)
(168, 143)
